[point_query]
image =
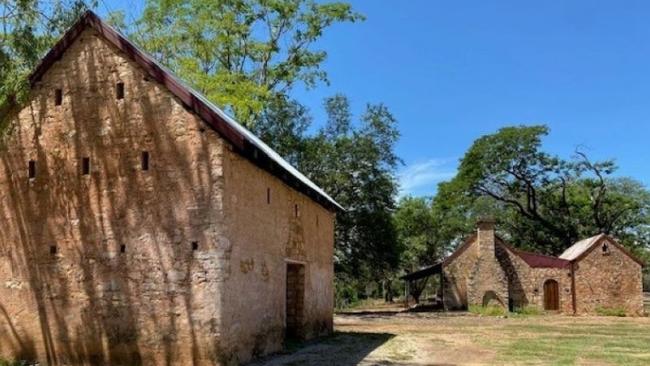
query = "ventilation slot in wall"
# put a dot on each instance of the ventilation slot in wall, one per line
(295, 210)
(119, 90)
(32, 169)
(268, 196)
(85, 166)
(195, 245)
(145, 160)
(58, 97)
(53, 249)
(122, 248)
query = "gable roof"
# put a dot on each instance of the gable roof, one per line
(537, 260)
(437, 267)
(580, 247)
(583, 247)
(243, 141)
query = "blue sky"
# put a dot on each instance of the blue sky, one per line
(453, 71)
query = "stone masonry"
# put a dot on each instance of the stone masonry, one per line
(108, 260)
(487, 271)
(488, 284)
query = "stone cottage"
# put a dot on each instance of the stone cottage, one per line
(593, 273)
(142, 225)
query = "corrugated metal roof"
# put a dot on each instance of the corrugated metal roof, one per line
(542, 261)
(580, 247)
(244, 141)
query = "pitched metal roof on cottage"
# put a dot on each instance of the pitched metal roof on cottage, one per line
(243, 141)
(536, 260)
(580, 247)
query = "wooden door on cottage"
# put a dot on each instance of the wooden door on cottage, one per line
(551, 295)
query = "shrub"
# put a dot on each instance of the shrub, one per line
(604, 311)
(528, 310)
(487, 310)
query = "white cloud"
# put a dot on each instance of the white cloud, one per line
(423, 177)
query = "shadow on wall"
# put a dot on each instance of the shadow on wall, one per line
(341, 349)
(91, 303)
(516, 293)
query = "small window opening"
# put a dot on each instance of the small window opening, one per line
(119, 90)
(53, 249)
(195, 245)
(145, 160)
(58, 97)
(85, 166)
(605, 248)
(122, 248)
(317, 223)
(32, 169)
(295, 210)
(268, 196)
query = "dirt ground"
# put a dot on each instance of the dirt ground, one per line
(394, 337)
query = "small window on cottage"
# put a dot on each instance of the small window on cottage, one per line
(195, 245)
(317, 223)
(268, 196)
(53, 249)
(295, 210)
(119, 90)
(32, 169)
(605, 248)
(122, 248)
(145, 160)
(58, 97)
(85, 166)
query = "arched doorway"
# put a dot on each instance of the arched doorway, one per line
(551, 295)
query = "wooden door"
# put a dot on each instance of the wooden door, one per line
(551, 295)
(295, 300)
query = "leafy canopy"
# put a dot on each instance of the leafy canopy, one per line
(242, 54)
(542, 202)
(28, 28)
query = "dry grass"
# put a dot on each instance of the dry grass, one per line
(390, 338)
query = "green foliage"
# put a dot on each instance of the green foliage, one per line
(528, 310)
(28, 28)
(240, 53)
(605, 311)
(541, 202)
(356, 164)
(487, 310)
(416, 232)
(13, 363)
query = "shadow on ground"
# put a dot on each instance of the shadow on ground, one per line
(340, 349)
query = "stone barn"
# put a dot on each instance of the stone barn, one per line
(595, 273)
(142, 225)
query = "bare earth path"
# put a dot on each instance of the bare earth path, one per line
(409, 339)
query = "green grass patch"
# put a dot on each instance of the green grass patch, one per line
(528, 310)
(571, 344)
(487, 310)
(615, 311)
(12, 363)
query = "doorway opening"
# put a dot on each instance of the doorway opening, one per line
(295, 300)
(551, 295)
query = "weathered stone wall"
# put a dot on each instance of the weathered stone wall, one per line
(488, 283)
(124, 266)
(456, 277)
(608, 280)
(270, 224)
(526, 284)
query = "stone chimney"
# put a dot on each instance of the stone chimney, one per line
(485, 237)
